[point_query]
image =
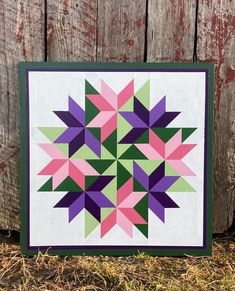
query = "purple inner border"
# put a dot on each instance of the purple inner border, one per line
(100, 247)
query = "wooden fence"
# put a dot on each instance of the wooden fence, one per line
(118, 31)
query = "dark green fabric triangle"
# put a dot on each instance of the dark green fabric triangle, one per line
(69, 185)
(89, 89)
(111, 143)
(89, 180)
(186, 132)
(143, 228)
(91, 110)
(47, 186)
(95, 131)
(165, 134)
(132, 153)
(138, 187)
(142, 207)
(122, 175)
(100, 165)
(144, 138)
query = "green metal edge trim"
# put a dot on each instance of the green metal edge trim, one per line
(115, 252)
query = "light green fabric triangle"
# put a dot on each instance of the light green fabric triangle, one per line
(52, 133)
(110, 191)
(105, 154)
(123, 127)
(64, 148)
(112, 170)
(84, 153)
(148, 165)
(143, 94)
(105, 212)
(181, 185)
(121, 148)
(128, 106)
(169, 171)
(90, 223)
(127, 164)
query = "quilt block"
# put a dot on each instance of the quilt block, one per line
(116, 158)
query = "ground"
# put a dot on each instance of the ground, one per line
(44, 272)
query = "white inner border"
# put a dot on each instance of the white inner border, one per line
(48, 91)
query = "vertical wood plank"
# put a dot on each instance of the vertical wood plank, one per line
(71, 30)
(216, 43)
(171, 30)
(121, 30)
(21, 38)
(90, 30)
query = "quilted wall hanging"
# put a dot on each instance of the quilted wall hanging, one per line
(116, 158)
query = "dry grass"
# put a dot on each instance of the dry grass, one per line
(44, 272)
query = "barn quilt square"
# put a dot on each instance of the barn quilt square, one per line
(116, 158)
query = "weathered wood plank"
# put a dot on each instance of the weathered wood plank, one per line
(171, 30)
(71, 30)
(121, 30)
(90, 30)
(216, 43)
(21, 38)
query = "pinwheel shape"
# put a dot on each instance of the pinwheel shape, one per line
(124, 214)
(156, 184)
(143, 119)
(108, 102)
(92, 199)
(60, 167)
(126, 171)
(76, 135)
(172, 151)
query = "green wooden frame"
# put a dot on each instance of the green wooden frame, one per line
(131, 250)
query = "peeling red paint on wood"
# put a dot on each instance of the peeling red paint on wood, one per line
(102, 30)
(121, 30)
(50, 30)
(6, 153)
(24, 51)
(230, 75)
(72, 30)
(171, 29)
(139, 22)
(19, 32)
(216, 43)
(222, 31)
(21, 38)
(222, 27)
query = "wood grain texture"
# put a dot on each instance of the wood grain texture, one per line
(21, 38)
(216, 43)
(124, 30)
(121, 30)
(171, 30)
(71, 30)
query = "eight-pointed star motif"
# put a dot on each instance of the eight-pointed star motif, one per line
(143, 119)
(108, 102)
(124, 214)
(76, 135)
(172, 151)
(60, 167)
(92, 199)
(156, 184)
